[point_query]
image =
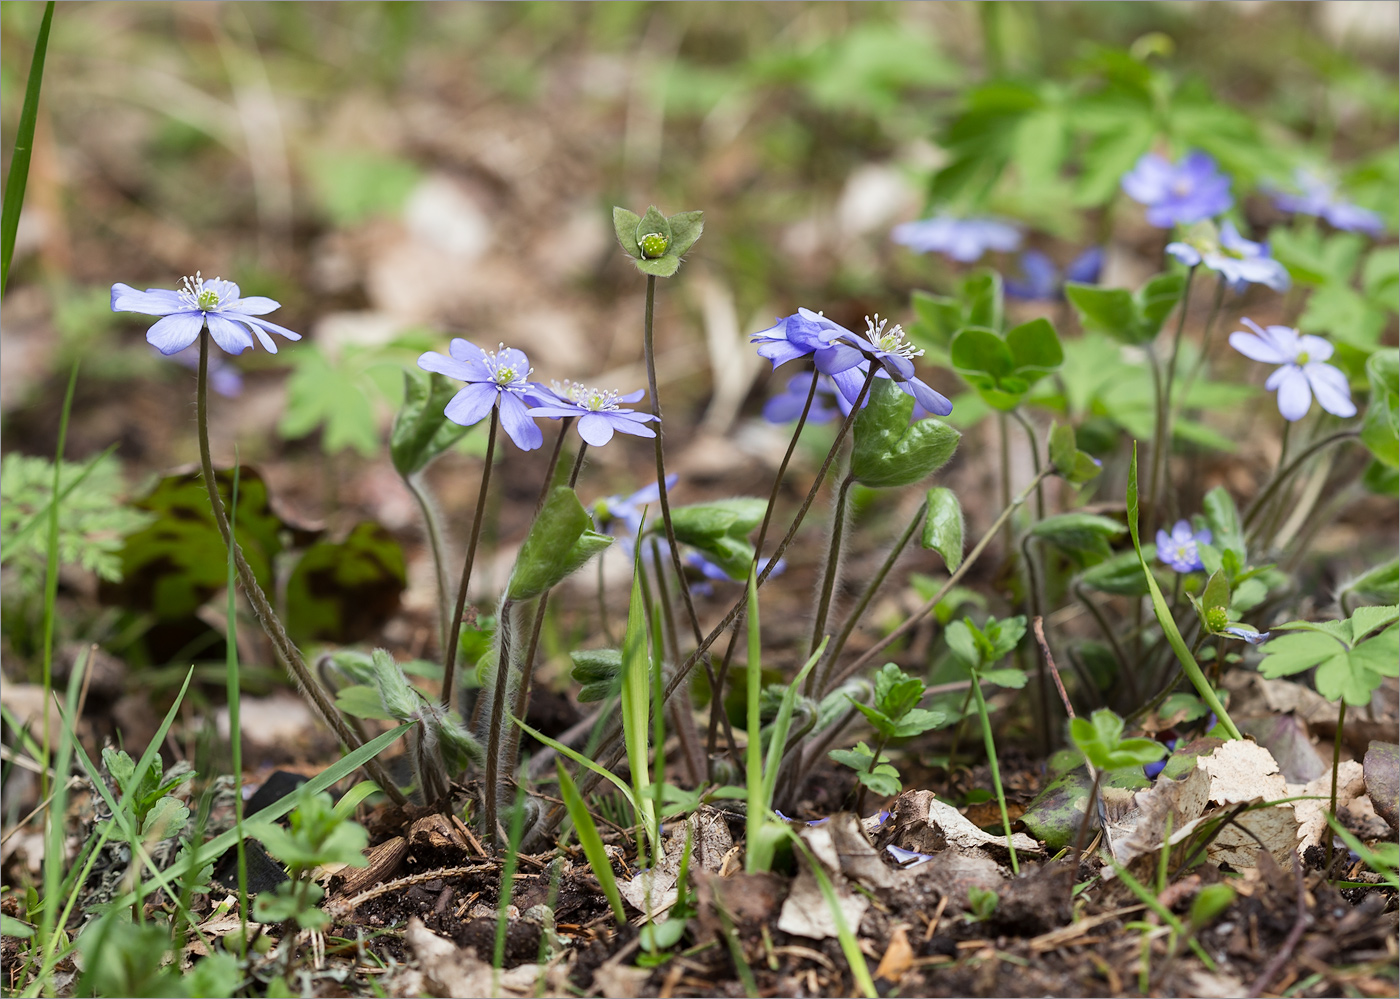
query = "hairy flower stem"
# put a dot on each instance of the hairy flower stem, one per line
(1159, 441)
(649, 345)
(434, 531)
(491, 780)
(718, 714)
(928, 605)
(1286, 472)
(1336, 762)
(1180, 397)
(527, 665)
(684, 721)
(1042, 691)
(833, 561)
(1004, 446)
(262, 607)
(1162, 442)
(609, 742)
(1124, 671)
(1035, 460)
(996, 771)
(782, 470)
(449, 662)
(858, 611)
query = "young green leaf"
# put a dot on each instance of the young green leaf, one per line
(422, 430)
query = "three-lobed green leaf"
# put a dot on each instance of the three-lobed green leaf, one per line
(888, 451)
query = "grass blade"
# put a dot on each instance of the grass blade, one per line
(753, 752)
(636, 699)
(18, 176)
(850, 947)
(1164, 615)
(582, 761)
(782, 724)
(592, 843)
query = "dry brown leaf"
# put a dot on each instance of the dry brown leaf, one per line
(899, 956)
(1311, 812)
(1243, 771)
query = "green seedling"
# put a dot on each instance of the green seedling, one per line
(977, 650)
(316, 836)
(981, 904)
(1100, 739)
(894, 715)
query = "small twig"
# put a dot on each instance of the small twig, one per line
(1294, 935)
(1039, 627)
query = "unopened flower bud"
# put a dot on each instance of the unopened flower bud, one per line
(653, 245)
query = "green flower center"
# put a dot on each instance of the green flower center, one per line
(207, 300)
(1217, 619)
(1301, 359)
(890, 340)
(653, 244)
(200, 294)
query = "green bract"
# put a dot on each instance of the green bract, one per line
(1380, 430)
(654, 242)
(1071, 464)
(422, 430)
(560, 541)
(1083, 537)
(1129, 318)
(943, 526)
(1100, 739)
(1003, 370)
(1352, 657)
(938, 318)
(720, 530)
(888, 451)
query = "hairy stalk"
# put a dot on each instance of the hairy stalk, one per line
(1180, 401)
(782, 470)
(267, 617)
(1004, 448)
(683, 720)
(1035, 460)
(527, 665)
(1041, 687)
(1336, 762)
(609, 741)
(1126, 673)
(449, 663)
(1165, 411)
(648, 339)
(928, 605)
(871, 588)
(1159, 428)
(491, 781)
(718, 714)
(833, 561)
(435, 544)
(1287, 472)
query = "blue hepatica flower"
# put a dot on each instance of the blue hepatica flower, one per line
(233, 321)
(886, 347)
(1179, 548)
(1317, 196)
(1178, 193)
(845, 357)
(599, 411)
(787, 405)
(1238, 260)
(1041, 280)
(964, 240)
(1303, 371)
(497, 378)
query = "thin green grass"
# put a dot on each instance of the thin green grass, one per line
(18, 177)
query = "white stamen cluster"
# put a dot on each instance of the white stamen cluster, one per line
(194, 293)
(502, 373)
(594, 400)
(891, 340)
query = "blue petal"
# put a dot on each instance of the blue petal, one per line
(517, 423)
(254, 306)
(595, 429)
(449, 366)
(270, 327)
(151, 302)
(232, 337)
(177, 331)
(470, 406)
